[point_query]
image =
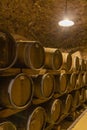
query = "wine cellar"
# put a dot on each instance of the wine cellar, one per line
(42, 86)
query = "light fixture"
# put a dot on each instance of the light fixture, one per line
(66, 22)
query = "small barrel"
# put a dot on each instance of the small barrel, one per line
(67, 61)
(75, 63)
(30, 119)
(71, 81)
(66, 104)
(53, 58)
(79, 81)
(8, 50)
(53, 110)
(7, 126)
(44, 86)
(30, 54)
(76, 99)
(16, 92)
(60, 83)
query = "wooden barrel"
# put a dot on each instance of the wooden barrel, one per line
(30, 119)
(82, 95)
(85, 79)
(53, 58)
(67, 61)
(79, 81)
(66, 104)
(44, 86)
(76, 99)
(71, 81)
(60, 83)
(7, 126)
(75, 63)
(53, 110)
(82, 65)
(8, 50)
(30, 54)
(16, 92)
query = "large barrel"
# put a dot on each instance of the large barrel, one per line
(8, 50)
(75, 63)
(53, 109)
(71, 81)
(16, 92)
(67, 61)
(44, 86)
(60, 83)
(53, 58)
(30, 119)
(7, 125)
(30, 54)
(66, 104)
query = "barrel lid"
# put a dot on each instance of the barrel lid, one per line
(73, 78)
(85, 78)
(63, 82)
(47, 85)
(20, 91)
(69, 61)
(76, 99)
(68, 103)
(36, 120)
(56, 110)
(7, 126)
(57, 59)
(8, 50)
(35, 55)
(79, 81)
(77, 63)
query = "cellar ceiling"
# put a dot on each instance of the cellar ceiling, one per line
(38, 20)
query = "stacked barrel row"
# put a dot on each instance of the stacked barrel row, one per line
(61, 89)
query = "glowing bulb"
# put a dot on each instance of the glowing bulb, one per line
(66, 23)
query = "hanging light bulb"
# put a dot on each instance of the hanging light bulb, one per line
(66, 22)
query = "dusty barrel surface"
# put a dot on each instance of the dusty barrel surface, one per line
(53, 58)
(67, 61)
(30, 54)
(7, 126)
(60, 83)
(8, 50)
(16, 92)
(53, 110)
(44, 86)
(71, 81)
(67, 104)
(30, 119)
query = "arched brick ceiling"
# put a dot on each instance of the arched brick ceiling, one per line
(38, 20)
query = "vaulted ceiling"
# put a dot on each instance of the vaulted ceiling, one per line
(38, 20)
